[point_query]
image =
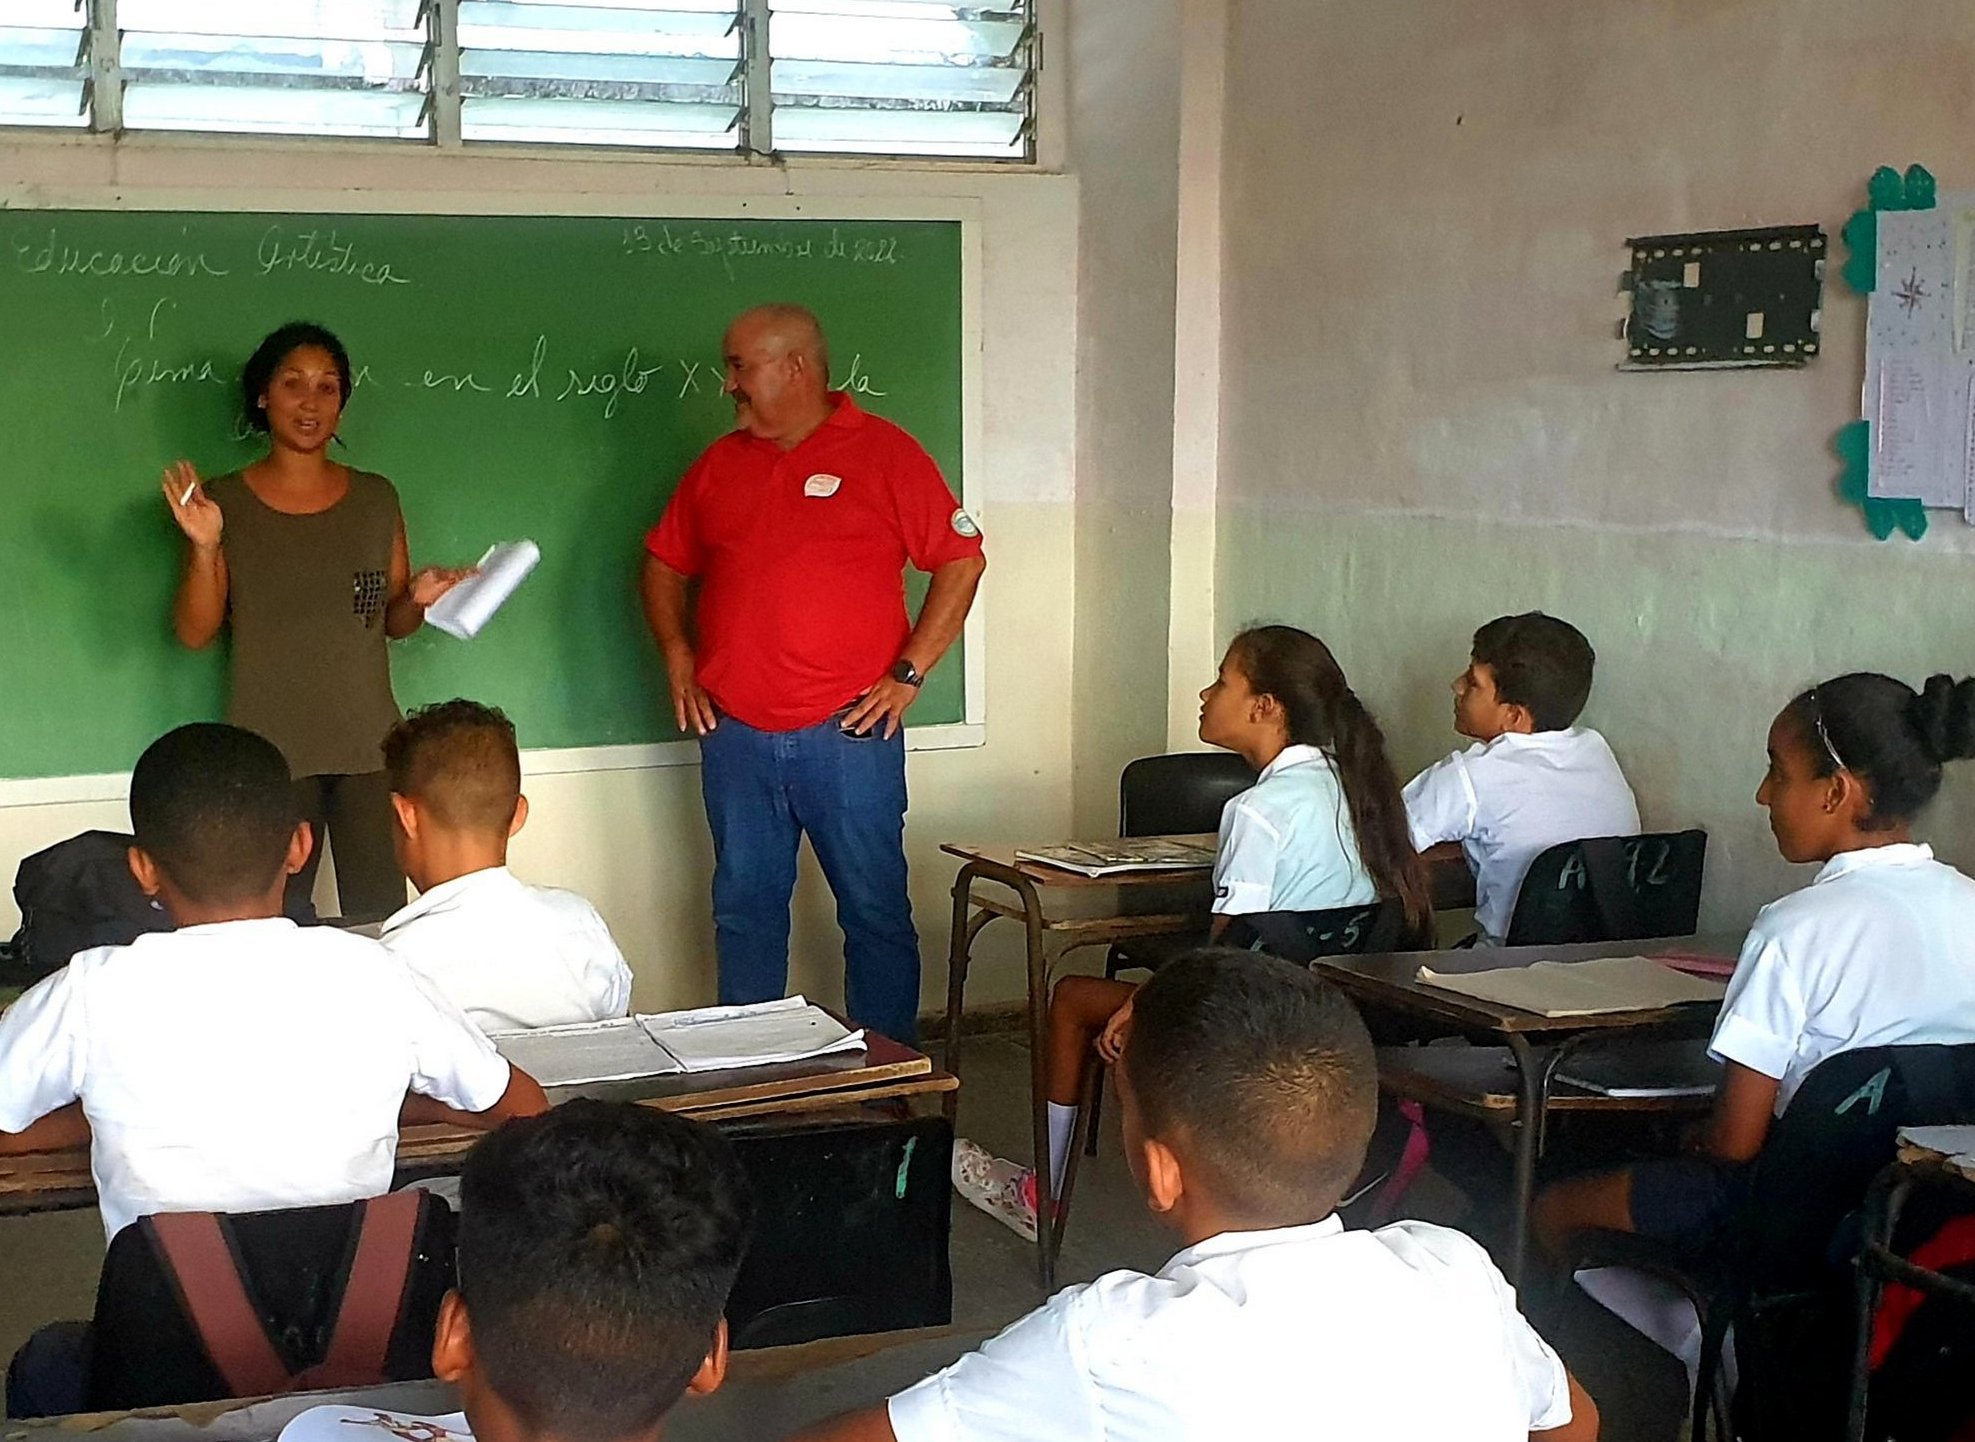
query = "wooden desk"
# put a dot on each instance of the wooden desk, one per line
(1536, 1044)
(752, 1403)
(59, 1181)
(1099, 922)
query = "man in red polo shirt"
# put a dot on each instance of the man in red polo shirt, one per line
(799, 661)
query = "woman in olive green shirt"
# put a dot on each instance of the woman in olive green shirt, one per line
(305, 559)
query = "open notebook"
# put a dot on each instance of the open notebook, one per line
(1580, 988)
(1109, 858)
(708, 1038)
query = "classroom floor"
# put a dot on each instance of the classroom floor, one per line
(48, 1269)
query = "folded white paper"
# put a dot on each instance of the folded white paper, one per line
(708, 1038)
(471, 604)
(717, 1038)
(586, 1051)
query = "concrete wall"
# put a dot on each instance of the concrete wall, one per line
(635, 841)
(1124, 136)
(1425, 211)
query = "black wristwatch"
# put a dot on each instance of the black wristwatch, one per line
(904, 671)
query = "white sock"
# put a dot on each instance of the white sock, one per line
(1062, 1122)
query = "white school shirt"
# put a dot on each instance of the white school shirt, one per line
(1286, 842)
(511, 955)
(1879, 950)
(1508, 800)
(239, 1066)
(1406, 1334)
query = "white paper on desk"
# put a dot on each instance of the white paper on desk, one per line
(371, 1424)
(1580, 988)
(720, 1038)
(471, 604)
(586, 1051)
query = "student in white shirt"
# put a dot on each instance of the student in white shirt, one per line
(1248, 1087)
(1323, 827)
(1534, 779)
(508, 954)
(238, 1063)
(1879, 949)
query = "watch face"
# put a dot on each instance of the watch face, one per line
(902, 671)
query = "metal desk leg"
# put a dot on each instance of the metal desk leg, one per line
(1533, 1070)
(1038, 961)
(960, 952)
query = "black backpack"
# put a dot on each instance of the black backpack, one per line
(74, 895)
(79, 893)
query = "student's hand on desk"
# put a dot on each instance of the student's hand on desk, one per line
(1111, 1041)
(429, 584)
(885, 702)
(197, 514)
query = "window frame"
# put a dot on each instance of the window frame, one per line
(1042, 92)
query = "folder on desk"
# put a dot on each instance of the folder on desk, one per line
(707, 1038)
(1110, 858)
(1580, 988)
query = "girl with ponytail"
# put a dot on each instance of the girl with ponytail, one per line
(1878, 950)
(1323, 827)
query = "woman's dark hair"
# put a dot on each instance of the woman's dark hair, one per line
(1320, 709)
(258, 373)
(1891, 737)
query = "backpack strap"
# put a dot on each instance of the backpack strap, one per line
(206, 1271)
(1612, 896)
(373, 1297)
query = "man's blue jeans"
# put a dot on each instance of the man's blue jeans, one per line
(763, 790)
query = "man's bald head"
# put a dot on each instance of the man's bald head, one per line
(778, 372)
(792, 329)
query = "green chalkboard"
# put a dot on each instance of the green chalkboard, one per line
(538, 376)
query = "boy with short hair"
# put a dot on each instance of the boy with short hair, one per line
(1534, 779)
(597, 1246)
(1249, 1090)
(508, 954)
(240, 1062)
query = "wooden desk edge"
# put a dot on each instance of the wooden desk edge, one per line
(421, 1149)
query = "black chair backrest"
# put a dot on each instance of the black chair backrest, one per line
(1611, 888)
(1179, 794)
(147, 1351)
(1821, 1155)
(1303, 936)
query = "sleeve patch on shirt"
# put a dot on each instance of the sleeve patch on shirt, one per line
(964, 524)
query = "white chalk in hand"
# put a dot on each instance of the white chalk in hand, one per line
(188, 493)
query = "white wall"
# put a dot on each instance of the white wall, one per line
(636, 841)
(1124, 136)
(1425, 213)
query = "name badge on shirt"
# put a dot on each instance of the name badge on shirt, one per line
(821, 484)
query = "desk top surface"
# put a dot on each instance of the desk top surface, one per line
(1392, 979)
(52, 1181)
(1003, 858)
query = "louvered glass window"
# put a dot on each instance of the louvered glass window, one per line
(296, 67)
(933, 78)
(902, 77)
(43, 62)
(614, 72)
